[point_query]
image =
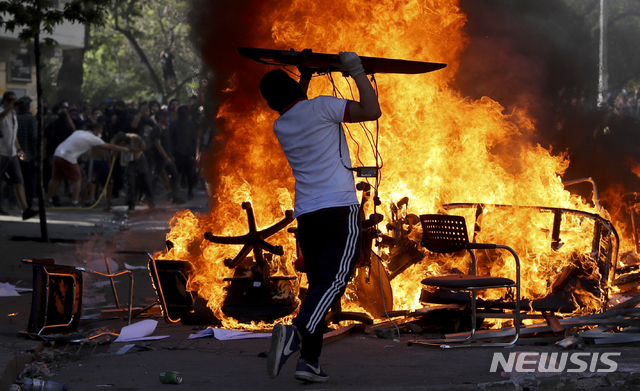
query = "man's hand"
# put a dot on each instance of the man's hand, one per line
(351, 62)
(305, 73)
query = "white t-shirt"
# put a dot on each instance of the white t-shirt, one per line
(310, 136)
(75, 145)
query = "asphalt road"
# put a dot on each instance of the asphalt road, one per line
(358, 361)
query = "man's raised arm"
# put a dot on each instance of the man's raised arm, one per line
(368, 108)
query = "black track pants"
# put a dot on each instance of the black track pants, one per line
(330, 241)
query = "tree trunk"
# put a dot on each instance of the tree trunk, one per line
(40, 144)
(71, 74)
(143, 57)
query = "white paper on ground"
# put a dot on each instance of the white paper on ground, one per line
(140, 331)
(7, 290)
(125, 348)
(226, 335)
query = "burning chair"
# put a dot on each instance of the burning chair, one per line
(570, 256)
(448, 234)
(253, 293)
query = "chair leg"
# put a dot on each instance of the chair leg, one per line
(468, 341)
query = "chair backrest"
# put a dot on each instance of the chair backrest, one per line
(57, 299)
(170, 281)
(444, 233)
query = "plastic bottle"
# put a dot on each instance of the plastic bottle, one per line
(42, 385)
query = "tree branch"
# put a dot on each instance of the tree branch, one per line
(143, 57)
(185, 81)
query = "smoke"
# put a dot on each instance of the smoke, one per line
(527, 55)
(218, 29)
(524, 55)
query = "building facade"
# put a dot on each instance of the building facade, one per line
(17, 64)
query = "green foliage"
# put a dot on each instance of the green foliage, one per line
(35, 17)
(113, 69)
(623, 31)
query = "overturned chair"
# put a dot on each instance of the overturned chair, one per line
(56, 306)
(447, 234)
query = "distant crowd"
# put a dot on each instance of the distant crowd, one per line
(625, 102)
(621, 102)
(141, 151)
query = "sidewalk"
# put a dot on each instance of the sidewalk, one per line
(356, 362)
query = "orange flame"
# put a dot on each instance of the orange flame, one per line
(438, 146)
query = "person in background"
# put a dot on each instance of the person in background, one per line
(173, 108)
(162, 147)
(11, 153)
(65, 160)
(142, 123)
(87, 115)
(28, 138)
(75, 118)
(183, 134)
(98, 173)
(47, 114)
(54, 134)
(326, 205)
(120, 122)
(154, 107)
(136, 169)
(168, 72)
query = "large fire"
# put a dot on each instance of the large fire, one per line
(438, 146)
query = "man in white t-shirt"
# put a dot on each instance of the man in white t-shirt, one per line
(65, 160)
(326, 205)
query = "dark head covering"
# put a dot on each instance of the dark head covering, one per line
(183, 112)
(280, 90)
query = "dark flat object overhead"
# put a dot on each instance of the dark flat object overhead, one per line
(323, 62)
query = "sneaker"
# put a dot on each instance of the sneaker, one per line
(310, 373)
(28, 213)
(56, 201)
(284, 342)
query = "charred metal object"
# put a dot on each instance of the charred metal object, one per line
(445, 234)
(603, 251)
(253, 294)
(56, 306)
(403, 252)
(253, 241)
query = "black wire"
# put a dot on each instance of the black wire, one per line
(337, 92)
(367, 132)
(374, 141)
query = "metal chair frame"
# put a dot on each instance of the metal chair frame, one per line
(446, 234)
(50, 263)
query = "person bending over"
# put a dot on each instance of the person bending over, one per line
(326, 204)
(65, 160)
